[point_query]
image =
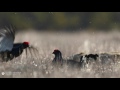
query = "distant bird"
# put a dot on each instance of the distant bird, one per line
(107, 58)
(9, 49)
(78, 57)
(60, 61)
(83, 60)
(103, 58)
(88, 57)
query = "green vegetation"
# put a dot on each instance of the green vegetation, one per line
(68, 21)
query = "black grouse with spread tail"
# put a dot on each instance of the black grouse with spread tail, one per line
(9, 49)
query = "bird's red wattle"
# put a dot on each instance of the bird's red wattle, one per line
(55, 49)
(26, 43)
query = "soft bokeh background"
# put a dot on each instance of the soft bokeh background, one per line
(62, 21)
(71, 33)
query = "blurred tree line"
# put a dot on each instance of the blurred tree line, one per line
(67, 21)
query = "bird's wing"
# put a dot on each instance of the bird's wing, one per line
(7, 36)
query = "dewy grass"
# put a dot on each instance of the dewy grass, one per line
(69, 44)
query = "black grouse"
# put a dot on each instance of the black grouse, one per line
(60, 61)
(9, 49)
(92, 57)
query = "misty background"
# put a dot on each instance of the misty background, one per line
(106, 39)
(62, 21)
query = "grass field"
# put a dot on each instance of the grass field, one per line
(69, 44)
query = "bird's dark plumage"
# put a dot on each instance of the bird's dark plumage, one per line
(59, 60)
(91, 56)
(7, 36)
(9, 49)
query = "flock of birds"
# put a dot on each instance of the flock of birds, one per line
(10, 50)
(83, 60)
